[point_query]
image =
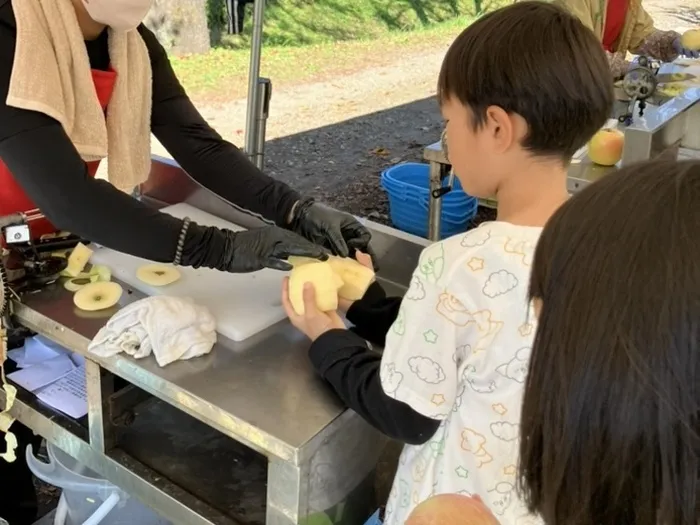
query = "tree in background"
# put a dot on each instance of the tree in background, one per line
(180, 25)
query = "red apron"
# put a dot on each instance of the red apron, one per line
(12, 197)
(615, 17)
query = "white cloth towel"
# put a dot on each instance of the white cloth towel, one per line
(172, 328)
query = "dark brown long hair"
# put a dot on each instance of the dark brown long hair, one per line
(611, 413)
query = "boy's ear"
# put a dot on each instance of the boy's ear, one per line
(501, 127)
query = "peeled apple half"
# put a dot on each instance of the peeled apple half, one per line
(157, 274)
(97, 296)
(355, 276)
(691, 39)
(324, 280)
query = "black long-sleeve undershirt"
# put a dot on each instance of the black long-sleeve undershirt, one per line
(344, 359)
(48, 168)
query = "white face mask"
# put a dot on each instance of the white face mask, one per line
(120, 15)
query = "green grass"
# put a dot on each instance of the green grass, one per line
(307, 22)
(221, 74)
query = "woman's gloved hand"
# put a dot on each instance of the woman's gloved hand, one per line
(689, 53)
(266, 247)
(338, 231)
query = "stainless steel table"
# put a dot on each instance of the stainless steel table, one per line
(262, 393)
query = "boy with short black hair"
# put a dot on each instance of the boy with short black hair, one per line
(521, 90)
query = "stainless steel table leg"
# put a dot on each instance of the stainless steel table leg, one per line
(437, 173)
(251, 135)
(99, 388)
(287, 493)
(434, 205)
(337, 479)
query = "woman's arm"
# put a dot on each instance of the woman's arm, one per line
(647, 40)
(49, 170)
(618, 65)
(215, 163)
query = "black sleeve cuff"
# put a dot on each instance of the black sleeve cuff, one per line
(360, 311)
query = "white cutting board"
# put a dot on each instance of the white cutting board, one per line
(243, 304)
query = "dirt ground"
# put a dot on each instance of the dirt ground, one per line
(332, 139)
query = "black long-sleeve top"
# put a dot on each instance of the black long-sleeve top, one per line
(49, 169)
(344, 359)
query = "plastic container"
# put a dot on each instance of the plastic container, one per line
(408, 188)
(86, 498)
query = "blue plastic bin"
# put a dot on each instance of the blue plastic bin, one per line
(408, 187)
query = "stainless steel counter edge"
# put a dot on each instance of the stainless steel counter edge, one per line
(129, 370)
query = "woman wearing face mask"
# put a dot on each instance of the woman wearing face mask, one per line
(79, 78)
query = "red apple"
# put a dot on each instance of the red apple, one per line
(452, 509)
(605, 148)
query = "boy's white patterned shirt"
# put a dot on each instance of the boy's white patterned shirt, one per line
(458, 352)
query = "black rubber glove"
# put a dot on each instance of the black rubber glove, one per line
(266, 247)
(338, 231)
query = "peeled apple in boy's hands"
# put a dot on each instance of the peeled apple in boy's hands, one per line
(691, 40)
(605, 148)
(355, 276)
(324, 280)
(452, 509)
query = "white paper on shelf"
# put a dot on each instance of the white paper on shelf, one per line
(68, 394)
(36, 350)
(37, 376)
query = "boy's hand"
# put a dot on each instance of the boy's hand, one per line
(366, 261)
(314, 323)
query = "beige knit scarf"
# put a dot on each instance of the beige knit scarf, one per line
(51, 75)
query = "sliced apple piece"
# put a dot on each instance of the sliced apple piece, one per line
(157, 274)
(77, 260)
(76, 283)
(97, 296)
(100, 272)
